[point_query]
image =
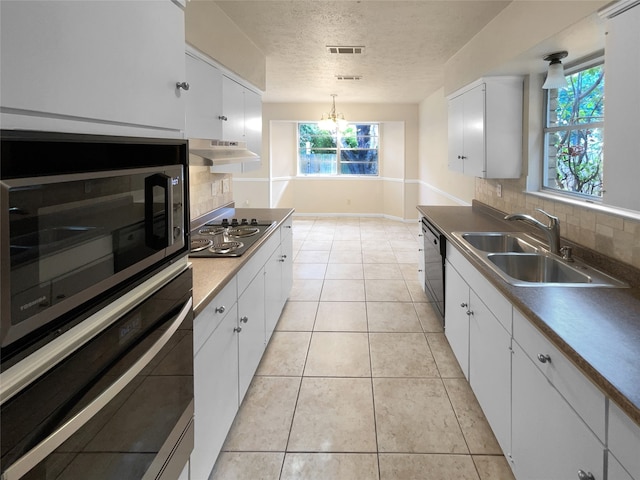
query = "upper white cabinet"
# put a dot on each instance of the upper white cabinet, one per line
(95, 62)
(204, 100)
(485, 128)
(242, 109)
(622, 143)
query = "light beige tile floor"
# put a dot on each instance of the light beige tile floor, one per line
(358, 381)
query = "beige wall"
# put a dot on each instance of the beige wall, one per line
(385, 195)
(201, 198)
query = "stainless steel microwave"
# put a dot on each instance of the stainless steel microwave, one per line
(81, 215)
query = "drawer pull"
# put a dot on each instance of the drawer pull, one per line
(237, 329)
(582, 475)
(244, 319)
(220, 309)
(544, 358)
(464, 305)
(469, 312)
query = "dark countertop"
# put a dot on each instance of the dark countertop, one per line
(598, 328)
(210, 275)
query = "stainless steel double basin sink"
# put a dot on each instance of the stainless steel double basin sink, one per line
(521, 260)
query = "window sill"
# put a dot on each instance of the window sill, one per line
(598, 207)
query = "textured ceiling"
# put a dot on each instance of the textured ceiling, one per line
(407, 44)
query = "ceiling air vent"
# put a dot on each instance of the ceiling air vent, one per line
(349, 77)
(345, 50)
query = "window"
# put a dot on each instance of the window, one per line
(352, 151)
(574, 134)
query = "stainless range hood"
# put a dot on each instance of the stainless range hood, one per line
(213, 153)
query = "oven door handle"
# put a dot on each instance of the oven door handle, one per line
(38, 453)
(165, 183)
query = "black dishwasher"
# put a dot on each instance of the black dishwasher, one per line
(434, 255)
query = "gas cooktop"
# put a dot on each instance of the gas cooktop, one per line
(226, 238)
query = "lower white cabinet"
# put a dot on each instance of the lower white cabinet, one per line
(549, 440)
(624, 445)
(216, 392)
(490, 368)
(457, 316)
(230, 336)
(251, 338)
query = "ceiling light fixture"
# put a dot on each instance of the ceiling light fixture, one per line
(555, 74)
(333, 120)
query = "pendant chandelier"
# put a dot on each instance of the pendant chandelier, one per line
(333, 120)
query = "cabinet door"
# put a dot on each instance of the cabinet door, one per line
(233, 109)
(89, 60)
(456, 133)
(490, 369)
(204, 100)
(273, 292)
(251, 319)
(286, 239)
(216, 393)
(456, 325)
(473, 136)
(549, 440)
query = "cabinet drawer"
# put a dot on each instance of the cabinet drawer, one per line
(494, 300)
(624, 440)
(578, 391)
(257, 261)
(209, 319)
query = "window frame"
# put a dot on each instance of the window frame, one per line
(547, 130)
(337, 149)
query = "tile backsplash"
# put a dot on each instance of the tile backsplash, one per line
(608, 234)
(206, 190)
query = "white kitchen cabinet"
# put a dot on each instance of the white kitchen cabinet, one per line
(622, 142)
(278, 278)
(549, 440)
(456, 324)
(204, 99)
(286, 243)
(215, 390)
(251, 340)
(242, 108)
(485, 128)
(480, 338)
(624, 445)
(69, 61)
(490, 368)
(421, 259)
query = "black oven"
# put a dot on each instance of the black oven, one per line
(115, 400)
(81, 214)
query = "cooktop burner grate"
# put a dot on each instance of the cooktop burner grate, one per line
(225, 247)
(199, 244)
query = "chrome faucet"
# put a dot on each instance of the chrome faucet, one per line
(552, 231)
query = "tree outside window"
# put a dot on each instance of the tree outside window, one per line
(353, 151)
(574, 134)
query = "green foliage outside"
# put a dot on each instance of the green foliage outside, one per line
(578, 140)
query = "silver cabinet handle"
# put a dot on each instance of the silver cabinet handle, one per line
(237, 329)
(244, 319)
(582, 475)
(464, 305)
(220, 309)
(469, 312)
(182, 85)
(223, 118)
(544, 358)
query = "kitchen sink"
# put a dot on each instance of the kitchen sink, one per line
(495, 242)
(537, 268)
(521, 260)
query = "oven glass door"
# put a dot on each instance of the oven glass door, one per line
(74, 236)
(107, 411)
